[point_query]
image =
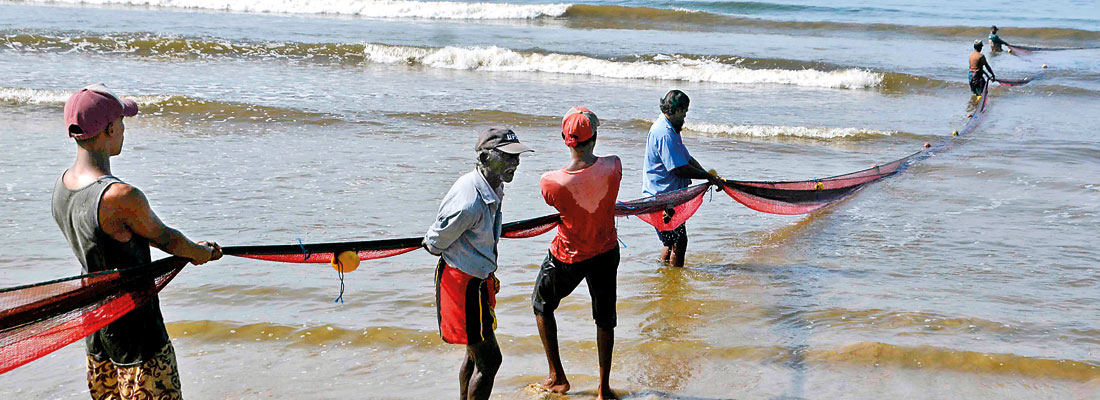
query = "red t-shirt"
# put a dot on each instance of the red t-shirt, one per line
(586, 201)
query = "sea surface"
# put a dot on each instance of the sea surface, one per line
(975, 274)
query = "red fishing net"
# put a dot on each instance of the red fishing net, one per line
(38, 319)
(801, 197)
(683, 203)
(530, 227)
(326, 256)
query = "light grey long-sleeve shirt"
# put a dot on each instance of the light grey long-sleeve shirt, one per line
(467, 228)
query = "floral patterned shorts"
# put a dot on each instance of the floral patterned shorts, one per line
(155, 379)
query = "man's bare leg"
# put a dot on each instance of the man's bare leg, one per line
(486, 361)
(464, 375)
(556, 381)
(605, 343)
(666, 252)
(676, 255)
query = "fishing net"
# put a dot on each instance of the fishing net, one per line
(683, 204)
(324, 252)
(38, 319)
(1028, 49)
(801, 197)
(1020, 81)
(530, 227)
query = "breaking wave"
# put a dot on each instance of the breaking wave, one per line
(722, 69)
(672, 67)
(360, 8)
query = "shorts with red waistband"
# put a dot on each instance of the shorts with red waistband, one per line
(464, 305)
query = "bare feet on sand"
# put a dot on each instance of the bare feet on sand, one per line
(604, 393)
(556, 385)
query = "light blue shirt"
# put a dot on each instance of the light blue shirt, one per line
(664, 152)
(467, 229)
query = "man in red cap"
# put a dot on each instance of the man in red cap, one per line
(465, 236)
(586, 246)
(110, 225)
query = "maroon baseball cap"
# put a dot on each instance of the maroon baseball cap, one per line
(502, 139)
(92, 108)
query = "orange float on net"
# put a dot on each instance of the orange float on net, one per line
(346, 261)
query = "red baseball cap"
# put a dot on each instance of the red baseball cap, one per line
(578, 126)
(92, 108)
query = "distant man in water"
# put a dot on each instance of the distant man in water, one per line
(110, 225)
(668, 166)
(585, 248)
(465, 236)
(995, 42)
(977, 73)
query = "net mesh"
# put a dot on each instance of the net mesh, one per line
(530, 227)
(1028, 49)
(325, 252)
(683, 204)
(39, 319)
(327, 256)
(801, 197)
(1020, 81)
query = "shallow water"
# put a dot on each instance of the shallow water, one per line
(973, 274)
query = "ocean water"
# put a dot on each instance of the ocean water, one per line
(975, 274)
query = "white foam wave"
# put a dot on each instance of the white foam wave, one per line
(362, 8)
(766, 131)
(33, 96)
(58, 97)
(664, 67)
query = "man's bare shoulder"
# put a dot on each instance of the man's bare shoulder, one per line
(123, 196)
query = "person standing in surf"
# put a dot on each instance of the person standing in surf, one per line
(586, 246)
(668, 166)
(995, 42)
(110, 225)
(977, 73)
(465, 236)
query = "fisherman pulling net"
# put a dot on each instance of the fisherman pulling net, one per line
(41, 318)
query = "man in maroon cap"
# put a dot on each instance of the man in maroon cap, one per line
(110, 225)
(465, 236)
(585, 248)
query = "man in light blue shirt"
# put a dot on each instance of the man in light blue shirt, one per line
(465, 236)
(668, 167)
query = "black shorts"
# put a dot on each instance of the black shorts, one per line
(977, 83)
(558, 279)
(674, 237)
